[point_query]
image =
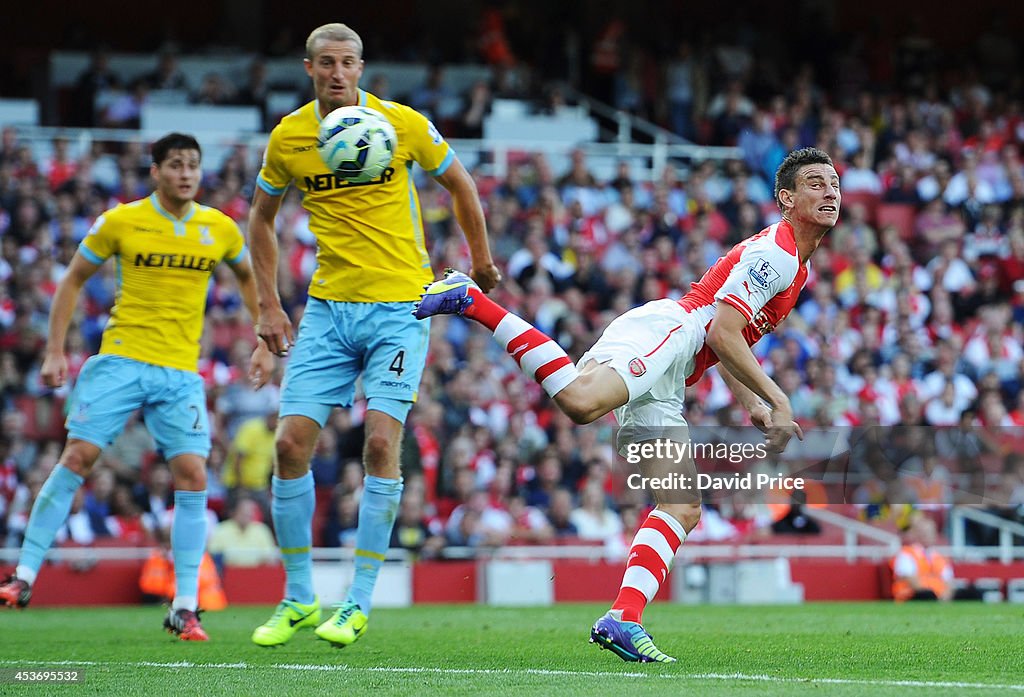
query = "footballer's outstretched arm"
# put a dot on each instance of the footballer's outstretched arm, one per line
(725, 338)
(55, 366)
(470, 214)
(272, 322)
(743, 394)
(760, 413)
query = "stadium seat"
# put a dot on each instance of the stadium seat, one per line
(19, 112)
(899, 215)
(866, 198)
(324, 503)
(44, 418)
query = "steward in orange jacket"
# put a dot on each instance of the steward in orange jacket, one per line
(918, 572)
(157, 580)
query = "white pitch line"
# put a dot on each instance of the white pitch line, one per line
(330, 668)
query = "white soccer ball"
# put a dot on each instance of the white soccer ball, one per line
(356, 143)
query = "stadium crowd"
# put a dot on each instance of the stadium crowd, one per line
(911, 321)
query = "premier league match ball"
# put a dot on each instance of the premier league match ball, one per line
(356, 143)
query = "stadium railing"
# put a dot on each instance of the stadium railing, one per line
(1006, 551)
(491, 157)
(854, 530)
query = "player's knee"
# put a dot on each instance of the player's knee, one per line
(78, 458)
(190, 477)
(379, 453)
(688, 514)
(292, 455)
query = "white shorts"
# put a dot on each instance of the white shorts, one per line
(653, 348)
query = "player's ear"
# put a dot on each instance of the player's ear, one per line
(786, 198)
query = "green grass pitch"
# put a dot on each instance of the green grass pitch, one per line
(814, 649)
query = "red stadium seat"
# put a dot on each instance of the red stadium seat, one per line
(324, 501)
(869, 200)
(44, 418)
(899, 215)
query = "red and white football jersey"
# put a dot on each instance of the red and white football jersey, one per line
(761, 277)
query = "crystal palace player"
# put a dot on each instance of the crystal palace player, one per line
(641, 364)
(372, 263)
(166, 247)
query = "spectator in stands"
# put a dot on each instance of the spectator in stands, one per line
(61, 167)
(949, 269)
(243, 539)
(214, 90)
(98, 500)
(966, 444)
(579, 175)
(730, 112)
(593, 519)
(859, 177)
(932, 185)
(126, 522)
(21, 450)
(342, 520)
(681, 72)
(325, 463)
(381, 86)
(251, 458)
(529, 524)
(546, 481)
(167, 75)
(239, 402)
(21, 506)
(902, 186)
(863, 279)
(412, 532)
(96, 78)
(966, 187)
(77, 529)
(433, 98)
(126, 110)
(478, 105)
(478, 523)
(131, 450)
(854, 232)
(536, 259)
(257, 87)
(155, 497)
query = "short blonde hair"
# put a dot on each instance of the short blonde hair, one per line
(333, 32)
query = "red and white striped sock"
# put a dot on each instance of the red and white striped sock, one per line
(536, 354)
(650, 559)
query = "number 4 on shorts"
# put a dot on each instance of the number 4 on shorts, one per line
(398, 365)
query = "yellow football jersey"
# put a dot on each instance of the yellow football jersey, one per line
(163, 268)
(370, 245)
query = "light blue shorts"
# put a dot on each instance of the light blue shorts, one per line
(173, 404)
(338, 341)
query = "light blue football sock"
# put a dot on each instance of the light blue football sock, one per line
(188, 541)
(292, 509)
(51, 509)
(378, 509)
